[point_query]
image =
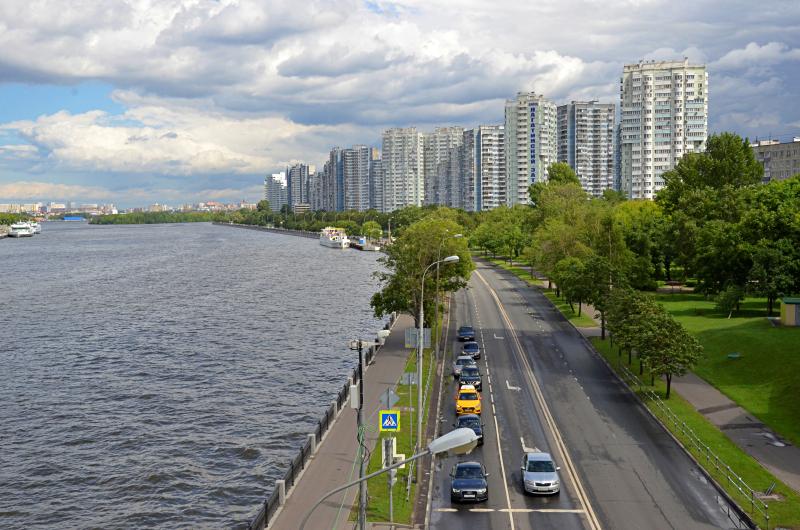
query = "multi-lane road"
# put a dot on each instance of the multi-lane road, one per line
(545, 390)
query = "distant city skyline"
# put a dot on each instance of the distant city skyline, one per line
(183, 101)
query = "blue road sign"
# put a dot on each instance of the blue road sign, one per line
(390, 420)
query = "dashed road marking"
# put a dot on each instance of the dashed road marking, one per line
(508, 386)
(527, 449)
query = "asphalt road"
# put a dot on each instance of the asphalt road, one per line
(544, 389)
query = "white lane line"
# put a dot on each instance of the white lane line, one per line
(481, 510)
(591, 516)
(542, 510)
(508, 386)
(526, 449)
(498, 338)
(449, 510)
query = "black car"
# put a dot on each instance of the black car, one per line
(468, 482)
(471, 421)
(466, 333)
(471, 375)
(472, 348)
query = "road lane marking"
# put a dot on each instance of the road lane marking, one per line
(449, 510)
(526, 449)
(542, 510)
(481, 510)
(497, 338)
(508, 386)
(591, 516)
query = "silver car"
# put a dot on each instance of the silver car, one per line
(460, 362)
(540, 474)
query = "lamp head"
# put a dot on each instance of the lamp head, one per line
(458, 442)
(451, 259)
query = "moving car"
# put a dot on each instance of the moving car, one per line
(461, 362)
(471, 421)
(472, 348)
(540, 474)
(466, 333)
(471, 375)
(468, 400)
(468, 482)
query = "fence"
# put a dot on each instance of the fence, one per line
(758, 508)
(296, 465)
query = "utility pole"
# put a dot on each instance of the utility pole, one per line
(362, 489)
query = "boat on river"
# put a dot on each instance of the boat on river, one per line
(333, 237)
(21, 229)
(37, 228)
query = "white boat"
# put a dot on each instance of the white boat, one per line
(21, 230)
(333, 237)
(37, 228)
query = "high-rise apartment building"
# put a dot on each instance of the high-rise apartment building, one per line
(530, 137)
(315, 191)
(440, 147)
(375, 180)
(483, 168)
(297, 183)
(355, 177)
(336, 179)
(586, 141)
(664, 115)
(275, 191)
(403, 169)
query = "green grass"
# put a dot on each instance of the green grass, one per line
(378, 487)
(766, 379)
(583, 320)
(784, 513)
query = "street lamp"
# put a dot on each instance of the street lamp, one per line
(448, 259)
(458, 442)
(362, 468)
(436, 307)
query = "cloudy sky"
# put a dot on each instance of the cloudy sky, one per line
(175, 101)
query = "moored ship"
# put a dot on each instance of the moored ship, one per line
(21, 230)
(333, 237)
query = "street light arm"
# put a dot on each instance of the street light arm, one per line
(367, 477)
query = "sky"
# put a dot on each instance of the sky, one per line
(172, 101)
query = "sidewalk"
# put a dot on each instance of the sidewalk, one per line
(333, 463)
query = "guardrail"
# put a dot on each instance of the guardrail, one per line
(269, 507)
(757, 507)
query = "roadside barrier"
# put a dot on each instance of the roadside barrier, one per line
(758, 508)
(277, 498)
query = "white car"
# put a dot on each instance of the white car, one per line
(460, 362)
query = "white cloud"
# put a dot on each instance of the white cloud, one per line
(754, 54)
(32, 190)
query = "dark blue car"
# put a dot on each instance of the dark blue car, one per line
(466, 333)
(472, 348)
(468, 482)
(471, 421)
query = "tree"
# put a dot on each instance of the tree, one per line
(677, 351)
(722, 258)
(406, 259)
(728, 299)
(558, 174)
(570, 275)
(263, 205)
(371, 230)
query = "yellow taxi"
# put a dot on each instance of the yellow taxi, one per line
(468, 400)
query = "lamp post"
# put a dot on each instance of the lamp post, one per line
(420, 337)
(362, 491)
(436, 307)
(459, 441)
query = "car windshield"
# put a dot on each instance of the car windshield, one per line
(469, 472)
(464, 329)
(541, 466)
(469, 422)
(471, 346)
(468, 396)
(470, 371)
(462, 362)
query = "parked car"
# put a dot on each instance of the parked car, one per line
(466, 333)
(468, 482)
(460, 362)
(468, 400)
(471, 375)
(472, 348)
(471, 421)
(540, 474)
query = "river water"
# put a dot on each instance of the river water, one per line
(161, 376)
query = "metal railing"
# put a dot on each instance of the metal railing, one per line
(296, 465)
(758, 508)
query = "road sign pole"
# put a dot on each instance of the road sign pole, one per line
(387, 444)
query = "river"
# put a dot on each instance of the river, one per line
(161, 376)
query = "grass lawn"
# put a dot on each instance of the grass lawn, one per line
(784, 513)
(378, 487)
(583, 320)
(766, 379)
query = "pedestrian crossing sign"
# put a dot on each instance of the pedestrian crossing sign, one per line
(390, 420)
